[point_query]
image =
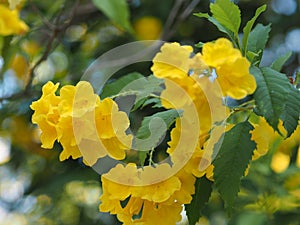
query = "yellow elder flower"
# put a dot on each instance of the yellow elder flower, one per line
(173, 61)
(147, 28)
(232, 69)
(282, 157)
(264, 136)
(280, 162)
(84, 125)
(10, 23)
(149, 192)
(46, 114)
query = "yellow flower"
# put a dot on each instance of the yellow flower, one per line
(146, 195)
(84, 125)
(282, 156)
(193, 160)
(280, 162)
(10, 23)
(148, 28)
(264, 136)
(46, 114)
(20, 66)
(173, 61)
(232, 69)
(90, 127)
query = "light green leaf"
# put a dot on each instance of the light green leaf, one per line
(249, 26)
(232, 160)
(291, 111)
(153, 129)
(278, 63)
(216, 23)
(271, 93)
(203, 191)
(116, 10)
(227, 14)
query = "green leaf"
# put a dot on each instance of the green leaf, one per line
(216, 23)
(227, 14)
(270, 95)
(116, 10)
(135, 84)
(249, 26)
(150, 85)
(278, 63)
(153, 129)
(291, 111)
(258, 38)
(203, 191)
(232, 160)
(115, 87)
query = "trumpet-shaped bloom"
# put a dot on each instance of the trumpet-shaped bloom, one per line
(264, 136)
(232, 69)
(146, 195)
(10, 23)
(46, 114)
(173, 61)
(84, 125)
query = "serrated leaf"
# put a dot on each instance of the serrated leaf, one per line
(153, 129)
(232, 160)
(278, 63)
(203, 189)
(227, 14)
(116, 10)
(291, 111)
(270, 95)
(249, 26)
(258, 38)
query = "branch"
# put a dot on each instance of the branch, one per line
(56, 30)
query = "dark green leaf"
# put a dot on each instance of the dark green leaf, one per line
(137, 85)
(270, 95)
(278, 63)
(258, 38)
(153, 129)
(291, 110)
(115, 87)
(232, 160)
(227, 14)
(249, 26)
(203, 191)
(116, 10)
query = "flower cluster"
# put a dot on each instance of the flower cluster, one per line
(143, 195)
(84, 125)
(146, 195)
(89, 127)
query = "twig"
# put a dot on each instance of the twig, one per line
(171, 18)
(175, 17)
(56, 29)
(188, 10)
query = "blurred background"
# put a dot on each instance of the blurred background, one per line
(35, 188)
